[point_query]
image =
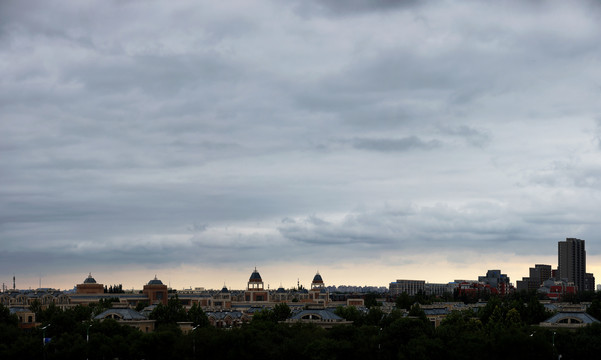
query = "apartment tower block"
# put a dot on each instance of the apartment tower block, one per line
(572, 262)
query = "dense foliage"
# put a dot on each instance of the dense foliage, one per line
(502, 329)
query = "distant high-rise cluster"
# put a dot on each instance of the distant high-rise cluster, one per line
(570, 275)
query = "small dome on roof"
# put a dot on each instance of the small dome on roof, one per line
(317, 278)
(89, 280)
(224, 290)
(255, 277)
(155, 281)
(280, 290)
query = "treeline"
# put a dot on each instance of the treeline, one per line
(114, 289)
(500, 330)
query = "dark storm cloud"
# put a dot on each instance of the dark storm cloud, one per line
(153, 74)
(351, 7)
(395, 145)
(472, 136)
(479, 226)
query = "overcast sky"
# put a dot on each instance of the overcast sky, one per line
(367, 140)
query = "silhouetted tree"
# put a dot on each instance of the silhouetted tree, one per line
(170, 313)
(198, 316)
(371, 300)
(404, 301)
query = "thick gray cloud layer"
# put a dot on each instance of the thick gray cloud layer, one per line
(166, 133)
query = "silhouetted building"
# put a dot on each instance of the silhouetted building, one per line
(589, 282)
(556, 289)
(538, 274)
(439, 289)
(223, 299)
(255, 291)
(572, 262)
(569, 318)
(496, 280)
(90, 286)
(127, 316)
(318, 292)
(411, 287)
(156, 291)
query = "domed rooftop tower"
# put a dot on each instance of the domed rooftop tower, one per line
(280, 294)
(317, 282)
(223, 299)
(156, 291)
(255, 282)
(155, 281)
(318, 293)
(89, 286)
(89, 280)
(255, 291)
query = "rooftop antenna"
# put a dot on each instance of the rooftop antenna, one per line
(14, 284)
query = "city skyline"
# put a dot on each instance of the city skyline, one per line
(370, 141)
(210, 283)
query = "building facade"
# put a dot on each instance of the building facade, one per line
(255, 289)
(410, 287)
(537, 275)
(89, 286)
(156, 291)
(572, 262)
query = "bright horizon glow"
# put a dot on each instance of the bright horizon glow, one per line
(273, 275)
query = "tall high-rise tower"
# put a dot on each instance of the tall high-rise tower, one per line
(572, 262)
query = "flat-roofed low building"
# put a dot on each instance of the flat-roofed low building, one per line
(26, 317)
(410, 287)
(359, 302)
(436, 314)
(439, 289)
